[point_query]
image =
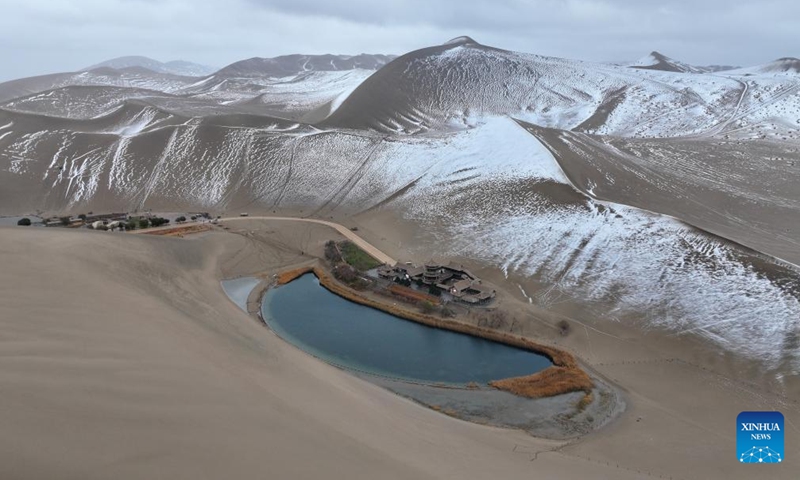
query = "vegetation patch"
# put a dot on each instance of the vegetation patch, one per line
(351, 276)
(549, 382)
(179, 231)
(356, 257)
(144, 222)
(291, 275)
(585, 402)
(332, 253)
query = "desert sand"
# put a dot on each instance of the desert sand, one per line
(121, 357)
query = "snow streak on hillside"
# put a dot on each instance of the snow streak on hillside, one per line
(496, 204)
(492, 192)
(78, 102)
(432, 137)
(454, 85)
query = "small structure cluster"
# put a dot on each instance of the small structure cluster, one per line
(451, 279)
(122, 221)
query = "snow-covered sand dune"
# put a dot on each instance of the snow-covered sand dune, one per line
(433, 137)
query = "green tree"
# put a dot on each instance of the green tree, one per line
(158, 221)
(144, 223)
(131, 225)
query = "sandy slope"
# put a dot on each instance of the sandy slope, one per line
(120, 357)
(344, 231)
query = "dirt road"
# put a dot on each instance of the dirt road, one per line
(346, 232)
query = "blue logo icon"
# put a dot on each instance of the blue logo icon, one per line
(759, 437)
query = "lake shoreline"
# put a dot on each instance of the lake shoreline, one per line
(562, 414)
(175, 377)
(560, 358)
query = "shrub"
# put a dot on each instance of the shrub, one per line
(434, 290)
(563, 327)
(65, 221)
(427, 307)
(82, 216)
(180, 219)
(131, 225)
(350, 276)
(345, 273)
(158, 221)
(24, 222)
(144, 223)
(332, 253)
(494, 319)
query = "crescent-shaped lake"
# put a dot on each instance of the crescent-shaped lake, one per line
(363, 339)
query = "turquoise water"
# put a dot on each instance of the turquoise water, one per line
(364, 339)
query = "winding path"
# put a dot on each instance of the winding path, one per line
(349, 234)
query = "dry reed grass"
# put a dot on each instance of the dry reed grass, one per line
(291, 275)
(549, 382)
(585, 401)
(178, 231)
